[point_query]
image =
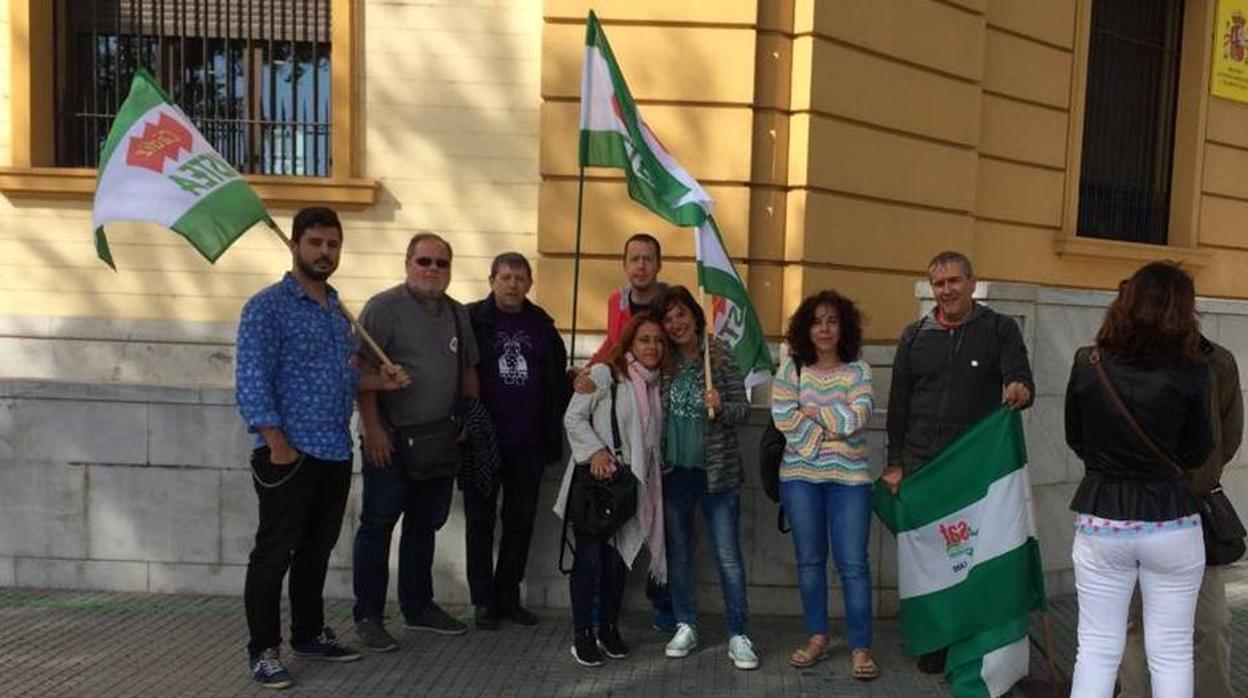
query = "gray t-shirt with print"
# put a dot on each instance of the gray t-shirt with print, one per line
(425, 345)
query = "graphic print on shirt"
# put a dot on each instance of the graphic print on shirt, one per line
(513, 369)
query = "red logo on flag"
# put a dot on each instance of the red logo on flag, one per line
(164, 139)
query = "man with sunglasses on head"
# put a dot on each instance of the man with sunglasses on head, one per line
(410, 441)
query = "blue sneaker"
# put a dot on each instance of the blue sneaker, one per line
(325, 648)
(268, 671)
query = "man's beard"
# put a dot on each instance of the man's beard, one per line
(312, 272)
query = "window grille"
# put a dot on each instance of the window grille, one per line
(1128, 127)
(253, 75)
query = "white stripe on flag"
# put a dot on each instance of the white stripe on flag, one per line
(597, 113)
(1004, 666)
(996, 524)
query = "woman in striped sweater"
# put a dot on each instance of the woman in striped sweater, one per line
(821, 401)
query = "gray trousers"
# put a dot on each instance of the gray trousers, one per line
(1212, 646)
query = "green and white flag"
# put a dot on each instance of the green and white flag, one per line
(613, 134)
(157, 167)
(968, 563)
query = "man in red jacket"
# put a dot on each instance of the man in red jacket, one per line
(643, 258)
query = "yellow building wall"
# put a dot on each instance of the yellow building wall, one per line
(450, 114)
(845, 143)
(882, 133)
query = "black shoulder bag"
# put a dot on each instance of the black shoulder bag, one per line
(1223, 531)
(598, 508)
(431, 449)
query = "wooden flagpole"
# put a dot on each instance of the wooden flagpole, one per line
(368, 339)
(709, 312)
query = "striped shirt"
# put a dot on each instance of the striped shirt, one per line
(831, 447)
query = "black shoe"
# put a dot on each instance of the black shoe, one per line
(325, 648)
(933, 662)
(610, 642)
(485, 618)
(267, 670)
(585, 648)
(434, 619)
(520, 616)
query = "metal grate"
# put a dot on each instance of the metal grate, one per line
(1128, 127)
(254, 76)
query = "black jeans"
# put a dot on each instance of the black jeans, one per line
(520, 481)
(424, 506)
(299, 525)
(598, 575)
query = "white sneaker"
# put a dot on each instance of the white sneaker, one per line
(741, 652)
(683, 642)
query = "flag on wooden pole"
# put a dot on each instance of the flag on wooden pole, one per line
(157, 167)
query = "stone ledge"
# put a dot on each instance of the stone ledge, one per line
(105, 392)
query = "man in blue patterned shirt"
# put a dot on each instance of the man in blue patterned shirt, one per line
(296, 384)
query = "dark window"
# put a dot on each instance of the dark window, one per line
(1128, 125)
(254, 75)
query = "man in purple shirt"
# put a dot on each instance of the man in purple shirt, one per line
(525, 390)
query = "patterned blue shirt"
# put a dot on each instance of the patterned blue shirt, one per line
(293, 372)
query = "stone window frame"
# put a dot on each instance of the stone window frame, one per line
(1189, 152)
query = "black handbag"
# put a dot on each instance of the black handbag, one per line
(598, 508)
(431, 449)
(1223, 531)
(771, 445)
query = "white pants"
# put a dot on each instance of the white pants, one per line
(1169, 566)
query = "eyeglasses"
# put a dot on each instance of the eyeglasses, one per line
(429, 261)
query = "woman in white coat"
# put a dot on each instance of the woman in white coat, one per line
(601, 564)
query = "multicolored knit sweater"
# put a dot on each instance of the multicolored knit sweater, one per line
(833, 446)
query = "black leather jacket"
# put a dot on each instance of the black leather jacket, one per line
(1123, 480)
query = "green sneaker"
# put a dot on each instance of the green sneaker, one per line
(683, 642)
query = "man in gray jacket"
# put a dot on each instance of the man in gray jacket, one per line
(952, 368)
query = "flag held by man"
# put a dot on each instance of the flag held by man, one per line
(614, 134)
(968, 560)
(157, 167)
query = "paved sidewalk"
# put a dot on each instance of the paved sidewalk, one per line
(68, 643)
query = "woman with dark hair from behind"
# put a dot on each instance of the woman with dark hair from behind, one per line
(822, 400)
(1135, 518)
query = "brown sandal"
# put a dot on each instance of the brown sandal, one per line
(865, 668)
(815, 651)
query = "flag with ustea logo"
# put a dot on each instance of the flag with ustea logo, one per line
(157, 167)
(968, 563)
(613, 134)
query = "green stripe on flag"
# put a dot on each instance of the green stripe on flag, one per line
(603, 149)
(958, 476)
(993, 592)
(213, 224)
(965, 667)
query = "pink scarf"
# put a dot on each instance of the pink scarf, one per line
(645, 384)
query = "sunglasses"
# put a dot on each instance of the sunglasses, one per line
(431, 261)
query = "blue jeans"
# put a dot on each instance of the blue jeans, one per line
(424, 506)
(684, 490)
(841, 515)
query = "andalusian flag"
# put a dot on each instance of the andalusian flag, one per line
(157, 167)
(613, 134)
(968, 563)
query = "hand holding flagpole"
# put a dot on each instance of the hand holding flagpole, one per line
(706, 348)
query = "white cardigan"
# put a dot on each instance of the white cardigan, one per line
(588, 423)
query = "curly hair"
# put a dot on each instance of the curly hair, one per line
(848, 347)
(1153, 319)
